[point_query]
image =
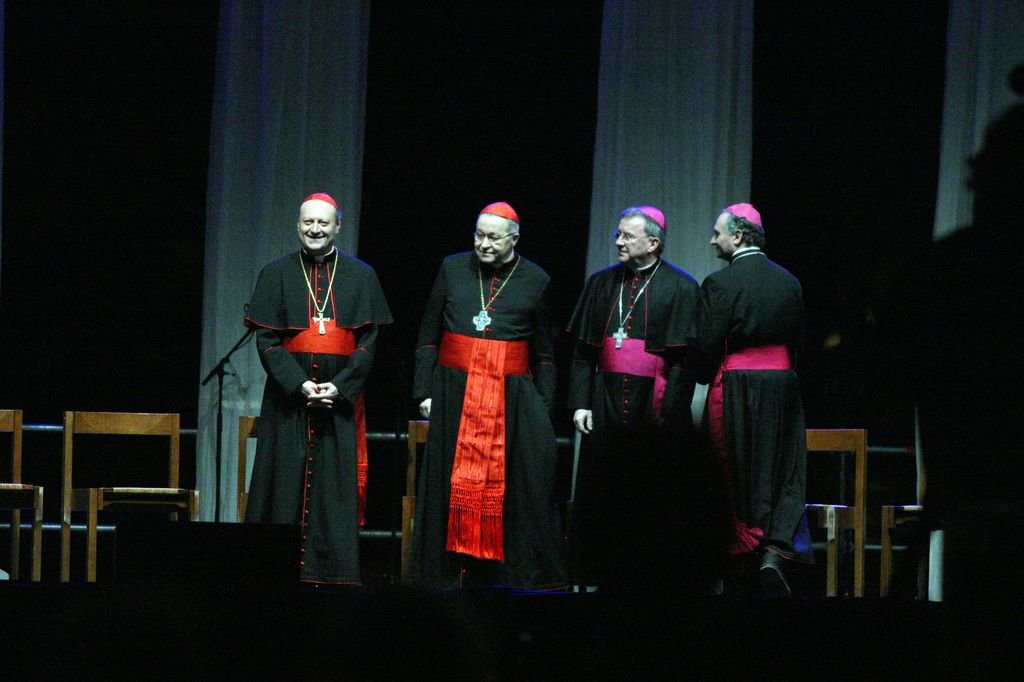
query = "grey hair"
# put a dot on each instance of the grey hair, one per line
(753, 235)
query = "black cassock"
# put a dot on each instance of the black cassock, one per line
(533, 541)
(643, 512)
(305, 466)
(755, 303)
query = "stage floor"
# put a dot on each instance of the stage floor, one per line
(232, 631)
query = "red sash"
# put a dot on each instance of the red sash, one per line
(634, 359)
(336, 341)
(339, 341)
(746, 538)
(478, 471)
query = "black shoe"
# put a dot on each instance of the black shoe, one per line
(773, 577)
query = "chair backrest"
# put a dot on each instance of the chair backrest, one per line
(247, 428)
(11, 422)
(121, 424)
(418, 431)
(845, 440)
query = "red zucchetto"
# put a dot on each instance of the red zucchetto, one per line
(500, 208)
(322, 196)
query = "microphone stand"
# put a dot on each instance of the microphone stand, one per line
(219, 371)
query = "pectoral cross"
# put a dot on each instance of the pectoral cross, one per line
(619, 336)
(482, 320)
(321, 319)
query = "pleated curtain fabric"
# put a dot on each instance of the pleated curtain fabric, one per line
(288, 120)
(983, 45)
(673, 122)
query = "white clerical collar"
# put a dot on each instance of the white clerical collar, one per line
(319, 259)
(745, 251)
(645, 269)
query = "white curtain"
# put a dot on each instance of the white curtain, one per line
(984, 41)
(673, 122)
(288, 119)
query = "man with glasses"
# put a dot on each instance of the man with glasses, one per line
(485, 377)
(630, 390)
(316, 313)
(751, 324)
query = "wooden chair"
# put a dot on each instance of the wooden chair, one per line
(837, 517)
(16, 496)
(418, 431)
(94, 500)
(247, 426)
(894, 517)
(899, 517)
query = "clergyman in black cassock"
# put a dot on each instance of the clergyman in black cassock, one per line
(486, 512)
(642, 513)
(317, 313)
(751, 325)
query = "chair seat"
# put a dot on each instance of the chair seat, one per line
(18, 495)
(845, 517)
(914, 508)
(136, 498)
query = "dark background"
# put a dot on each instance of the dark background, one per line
(106, 150)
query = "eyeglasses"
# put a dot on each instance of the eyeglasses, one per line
(627, 238)
(481, 237)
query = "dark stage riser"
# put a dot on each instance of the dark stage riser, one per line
(234, 629)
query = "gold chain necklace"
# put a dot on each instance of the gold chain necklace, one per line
(327, 297)
(483, 319)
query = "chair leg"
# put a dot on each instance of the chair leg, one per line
(888, 523)
(91, 524)
(858, 558)
(15, 544)
(831, 553)
(37, 537)
(65, 548)
(408, 512)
